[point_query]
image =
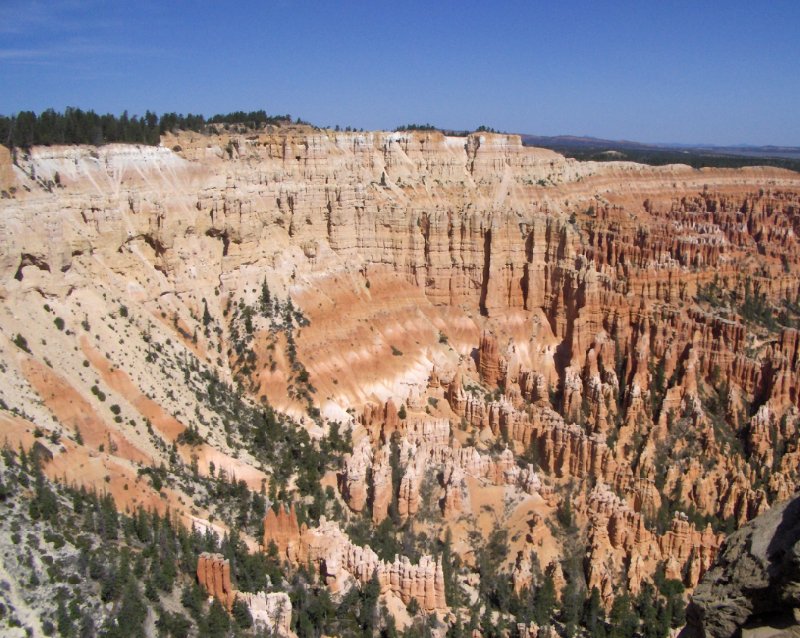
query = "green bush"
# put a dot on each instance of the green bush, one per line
(22, 343)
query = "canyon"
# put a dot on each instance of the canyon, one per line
(597, 364)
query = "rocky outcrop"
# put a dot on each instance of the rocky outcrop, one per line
(7, 180)
(340, 562)
(382, 488)
(353, 483)
(622, 546)
(408, 497)
(755, 582)
(282, 529)
(214, 575)
(270, 611)
(489, 360)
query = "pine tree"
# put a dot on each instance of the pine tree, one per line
(217, 622)
(64, 623)
(452, 593)
(397, 475)
(369, 605)
(241, 614)
(544, 601)
(265, 299)
(647, 607)
(571, 606)
(132, 612)
(593, 612)
(624, 622)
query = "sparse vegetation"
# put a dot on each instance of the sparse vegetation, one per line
(21, 343)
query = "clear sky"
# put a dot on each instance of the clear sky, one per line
(646, 70)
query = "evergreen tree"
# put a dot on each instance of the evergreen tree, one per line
(241, 614)
(571, 606)
(647, 608)
(64, 622)
(130, 617)
(624, 622)
(368, 616)
(265, 299)
(450, 562)
(544, 601)
(593, 613)
(397, 475)
(217, 622)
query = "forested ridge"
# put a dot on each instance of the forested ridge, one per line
(76, 126)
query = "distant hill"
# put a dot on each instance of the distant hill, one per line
(597, 149)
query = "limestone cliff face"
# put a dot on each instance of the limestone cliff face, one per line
(495, 322)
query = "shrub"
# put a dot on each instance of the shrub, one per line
(190, 436)
(59, 323)
(22, 343)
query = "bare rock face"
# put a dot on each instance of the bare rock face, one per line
(456, 495)
(606, 301)
(381, 484)
(271, 612)
(282, 529)
(408, 499)
(7, 180)
(489, 359)
(340, 561)
(755, 582)
(214, 575)
(622, 547)
(353, 478)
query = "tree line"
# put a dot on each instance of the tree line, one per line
(76, 126)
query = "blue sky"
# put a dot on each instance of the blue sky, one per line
(691, 72)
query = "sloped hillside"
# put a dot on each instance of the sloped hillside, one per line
(476, 384)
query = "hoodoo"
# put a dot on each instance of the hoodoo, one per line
(406, 375)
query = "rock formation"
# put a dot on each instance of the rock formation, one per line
(214, 575)
(340, 562)
(755, 582)
(499, 325)
(282, 529)
(270, 611)
(621, 546)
